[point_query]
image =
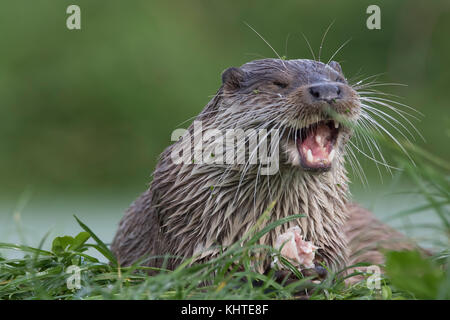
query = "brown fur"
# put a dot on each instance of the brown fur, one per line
(191, 207)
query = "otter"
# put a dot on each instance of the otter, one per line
(192, 207)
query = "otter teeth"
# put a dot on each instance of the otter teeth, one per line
(336, 124)
(309, 156)
(318, 139)
(331, 155)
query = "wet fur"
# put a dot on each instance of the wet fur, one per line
(192, 207)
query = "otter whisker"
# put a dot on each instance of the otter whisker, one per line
(383, 115)
(366, 116)
(192, 118)
(286, 45)
(379, 100)
(371, 158)
(323, 38)
(359, 139)
(370, 141)
(374, 122)
(262, 38)
(365, 81)
(391, 107)
(339, 49)
(372, 94)
(257, 55)
(310, 48)
(367, 128)
(354, 80)
(375, 92)
(256, 185)
(356, 166)
(383, 84)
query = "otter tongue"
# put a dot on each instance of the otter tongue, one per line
(316, 148)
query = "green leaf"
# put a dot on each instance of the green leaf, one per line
(23, 248)
(386, 293)
(79, 240)
(60, 244)
(409, 271)
(101, 246)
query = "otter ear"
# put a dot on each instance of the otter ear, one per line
(336, 66)
(232, 78)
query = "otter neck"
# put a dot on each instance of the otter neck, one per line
(217, 210)
(321, 198)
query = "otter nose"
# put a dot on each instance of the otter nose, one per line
(325, 91)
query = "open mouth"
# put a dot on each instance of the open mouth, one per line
(316, 144)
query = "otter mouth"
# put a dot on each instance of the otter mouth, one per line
(316, 145)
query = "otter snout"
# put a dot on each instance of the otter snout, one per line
(325, 92)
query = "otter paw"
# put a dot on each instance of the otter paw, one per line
(292, 246)
(318, 273)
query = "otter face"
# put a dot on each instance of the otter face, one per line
(309, 102)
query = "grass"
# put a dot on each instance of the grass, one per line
(45, 274)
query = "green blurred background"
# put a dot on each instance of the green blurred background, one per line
(85, 113)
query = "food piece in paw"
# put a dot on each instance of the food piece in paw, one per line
(294, 248)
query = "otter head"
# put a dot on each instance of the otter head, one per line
(309, 102)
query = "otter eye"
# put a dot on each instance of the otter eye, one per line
(280, 84)
(341, 80)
